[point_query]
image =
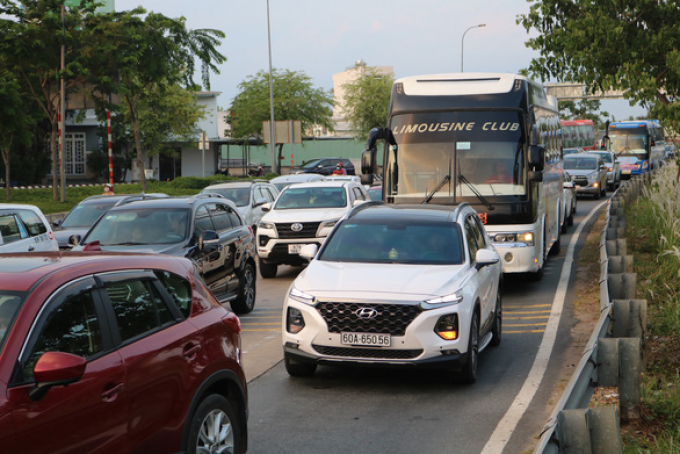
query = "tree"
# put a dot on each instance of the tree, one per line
(15, 121)
(294, 99)
(367, 100)
(31, 35)
(631, 45)
(151, 56)
(585, 110)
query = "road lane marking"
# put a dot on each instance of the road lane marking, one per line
(501, 435)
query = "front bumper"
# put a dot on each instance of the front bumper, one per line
(418, 344)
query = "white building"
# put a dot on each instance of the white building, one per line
(342, 127)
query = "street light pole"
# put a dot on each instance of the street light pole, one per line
(462, 42)
(272, 125)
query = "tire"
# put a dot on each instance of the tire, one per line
(245, 302)
(497, 327)
(468, 373)
(267, 270)
(598, 195)
(297, 368)
(214, 427)
(570, 218)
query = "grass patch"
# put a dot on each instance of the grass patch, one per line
(43, 197)
(653, 238)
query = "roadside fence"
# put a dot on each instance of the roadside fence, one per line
(613, 356)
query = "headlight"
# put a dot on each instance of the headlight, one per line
(267, 225)
(521, 237)
(328, 225)
(453, 298)
(592, 178)
(301, 297)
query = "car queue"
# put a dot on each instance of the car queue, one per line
(372, 292)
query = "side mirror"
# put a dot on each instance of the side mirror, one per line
(308, 251)
(266, 206)
(208, 241)
(535, 176)
(486, 257)
(358, 202)
(56, 369)
(537, 157)
(93, 246)
(57, 223)
(604, 145)
(74, 240)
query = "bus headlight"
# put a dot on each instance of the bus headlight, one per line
(521, 237)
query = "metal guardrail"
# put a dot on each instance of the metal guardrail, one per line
(572, 427)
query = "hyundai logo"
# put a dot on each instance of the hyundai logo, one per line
(296, 227)
(366, 312)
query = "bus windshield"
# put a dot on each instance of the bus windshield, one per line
(631, 142)
(481, 152)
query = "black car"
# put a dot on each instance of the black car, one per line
(326, 166)
(79, 220)
(206, 228)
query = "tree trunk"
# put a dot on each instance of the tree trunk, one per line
(279, 158)
(55, 160)
(5, 158)
(138, 144)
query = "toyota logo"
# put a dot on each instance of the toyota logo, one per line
(366, 312)
(296, 227)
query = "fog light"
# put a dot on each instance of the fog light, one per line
(447, 327)
(295, 321)
(508, 257)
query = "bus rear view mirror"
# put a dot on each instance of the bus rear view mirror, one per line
(367, 166)
(535, 176)
(537, 157)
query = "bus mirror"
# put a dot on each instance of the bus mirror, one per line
(535, 176)
(604, 145)
(374, 135)
(537, 157)
(368, 166)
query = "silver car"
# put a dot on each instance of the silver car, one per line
(248, 195)
(588, 172)
(613, 168)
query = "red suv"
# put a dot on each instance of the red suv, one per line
(116, 353)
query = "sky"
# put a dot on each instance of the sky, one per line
(321, 38)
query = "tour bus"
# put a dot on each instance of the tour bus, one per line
(639, 145)
(579, 135)
(492, 140)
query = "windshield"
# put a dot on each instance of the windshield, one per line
(86, 214)
(482, 148)
(141, 226)
(630, 142)
(10, 302)
(580, 164)
(310, 164)
(312, 197)
(606, 157)
(240, 196)
(390, 241)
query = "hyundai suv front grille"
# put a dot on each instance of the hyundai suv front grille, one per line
(354, 352)
(390, 319)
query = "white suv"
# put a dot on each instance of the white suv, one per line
(396, 285)
(24, 228)
(304, 213)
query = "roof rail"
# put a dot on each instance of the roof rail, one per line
(363, 206)
(245, 180)
(207, 195)
(459, 207)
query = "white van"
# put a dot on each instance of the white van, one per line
(24, 228)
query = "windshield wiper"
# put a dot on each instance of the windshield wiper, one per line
(445, 180)
(129, 243)
(472, 187)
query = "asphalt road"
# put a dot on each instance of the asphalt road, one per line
(394, 410)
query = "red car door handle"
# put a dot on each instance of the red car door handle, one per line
(190, 351)
(110, 394)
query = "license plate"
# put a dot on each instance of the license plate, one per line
(365, 339)
(295, 248)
